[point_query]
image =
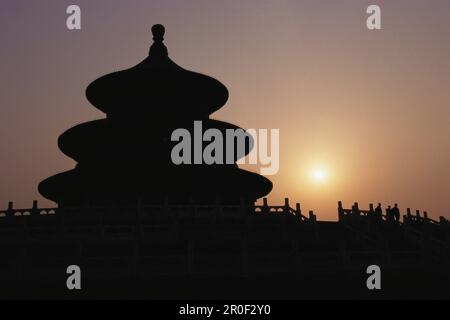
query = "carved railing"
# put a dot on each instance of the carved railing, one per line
(286, 209)
(33, 211)
(418, 228)
(356, 211)
(165, 209)
(136, 223)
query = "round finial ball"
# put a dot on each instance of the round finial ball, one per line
(158, 31)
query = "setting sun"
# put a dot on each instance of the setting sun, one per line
(319, 175)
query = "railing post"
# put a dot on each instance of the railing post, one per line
(425, 216)
(34, 210)
(287, 207)
(408, 214)
(10, 210)
(418, 215)
(265, 208)
(356, 212)
(341, 212)
(298, 211)
(313, 220)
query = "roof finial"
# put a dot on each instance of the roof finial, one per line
(158, 31)
(158, 50)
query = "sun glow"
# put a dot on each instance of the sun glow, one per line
(319, 175)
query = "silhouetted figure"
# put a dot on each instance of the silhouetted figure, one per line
(389, 216)
(378, 215)
(395, 213)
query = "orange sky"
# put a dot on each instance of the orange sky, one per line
(370, 107)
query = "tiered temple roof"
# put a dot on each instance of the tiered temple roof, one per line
(128, 155)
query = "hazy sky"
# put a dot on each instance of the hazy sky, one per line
(371, 108)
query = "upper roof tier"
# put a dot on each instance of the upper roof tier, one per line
(157, 87)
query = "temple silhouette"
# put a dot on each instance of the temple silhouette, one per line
(127, 156)
(139, 226)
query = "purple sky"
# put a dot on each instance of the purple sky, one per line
(373, 108)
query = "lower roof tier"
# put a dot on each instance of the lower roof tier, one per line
(186, 182)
